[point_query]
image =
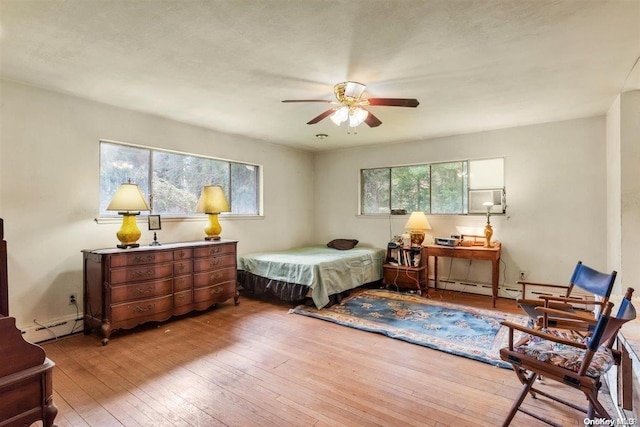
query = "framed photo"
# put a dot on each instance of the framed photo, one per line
(154, 222)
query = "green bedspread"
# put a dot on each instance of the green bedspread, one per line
(325, 270)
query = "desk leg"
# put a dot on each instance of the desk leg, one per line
(435, 273)
(495, 275)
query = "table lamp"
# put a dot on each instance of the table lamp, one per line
(128, 201)
(418, 224)
(488, 230)
(212, 202)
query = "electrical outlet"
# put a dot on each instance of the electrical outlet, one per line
(73, 299)
(523, 275)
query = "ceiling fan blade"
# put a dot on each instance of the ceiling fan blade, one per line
(372, 120)
(308, 100)
(394, 102)
(321, 116)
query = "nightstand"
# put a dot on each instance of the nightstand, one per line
(406, 268)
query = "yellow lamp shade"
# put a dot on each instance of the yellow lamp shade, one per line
(212, 200)
(128, 197)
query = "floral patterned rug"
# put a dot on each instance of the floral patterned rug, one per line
(456, 329)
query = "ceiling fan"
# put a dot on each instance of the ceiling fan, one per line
(350, 107)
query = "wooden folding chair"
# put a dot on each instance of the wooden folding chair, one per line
(577, 364)
(550, 311)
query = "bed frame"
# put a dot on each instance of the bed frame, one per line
(26, 390)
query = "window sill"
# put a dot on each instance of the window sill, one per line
(143, 218)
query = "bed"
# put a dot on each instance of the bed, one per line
(316, 271)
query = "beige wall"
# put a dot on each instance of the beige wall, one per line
(49, 161)
(555, 177)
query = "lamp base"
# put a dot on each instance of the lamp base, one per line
(488, 232)
(417, 237)
(129, 232)
(133, 245)
(213, 229)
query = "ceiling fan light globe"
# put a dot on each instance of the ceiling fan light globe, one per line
(357, 116)
(341, 115)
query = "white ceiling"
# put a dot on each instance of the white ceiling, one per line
(226, 65)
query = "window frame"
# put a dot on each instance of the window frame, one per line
(108, 217)
(464, 191)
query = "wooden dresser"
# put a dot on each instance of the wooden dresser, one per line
(124, 288)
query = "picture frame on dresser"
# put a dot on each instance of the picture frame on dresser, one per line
(124, 288)
(154, 222)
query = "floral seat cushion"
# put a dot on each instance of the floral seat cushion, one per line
(566, 356)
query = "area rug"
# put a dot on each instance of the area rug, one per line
(452, 328)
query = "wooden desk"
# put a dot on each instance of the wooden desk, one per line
(469, 252)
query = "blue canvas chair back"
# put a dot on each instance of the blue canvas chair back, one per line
(607, 327)
(593, 281)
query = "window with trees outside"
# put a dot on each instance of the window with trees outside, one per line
(173, 181)
(437, 188)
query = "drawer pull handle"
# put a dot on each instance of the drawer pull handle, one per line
(216, 276)
(138, 274)
(140, 291)
(216, 290)
(181, 254)
(180, 296)
(214, 262)
(142, 259)
(139, 309)
(214, 250)
(181, 267)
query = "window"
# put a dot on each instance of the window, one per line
(437, 188)
(173, 181)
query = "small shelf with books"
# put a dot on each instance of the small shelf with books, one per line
(405, 268)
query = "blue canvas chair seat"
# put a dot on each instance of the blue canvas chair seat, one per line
(567, 356)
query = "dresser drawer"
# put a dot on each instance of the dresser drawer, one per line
(212, 294)
(182, 283)
(182, 267)
(184, 253)
(137, 274)
(182, 300)
(142, 290)
(140, 258)
(212, 250)
(214, 277)
(142, 308)
(214, 263)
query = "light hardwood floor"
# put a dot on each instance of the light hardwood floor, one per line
(257, 365)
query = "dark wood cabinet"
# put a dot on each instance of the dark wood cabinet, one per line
(406, 268)
(26, 380)
(124, 288)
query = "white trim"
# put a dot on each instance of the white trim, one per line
(56, 328)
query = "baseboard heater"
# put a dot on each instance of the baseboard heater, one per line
(50, 326)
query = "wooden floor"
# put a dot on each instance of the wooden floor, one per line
(257, 365)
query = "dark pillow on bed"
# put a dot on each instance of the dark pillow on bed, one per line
(342, 244)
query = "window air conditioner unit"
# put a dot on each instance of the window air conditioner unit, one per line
(477, 198)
